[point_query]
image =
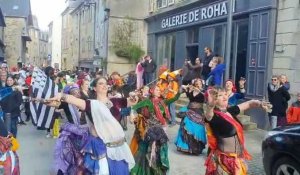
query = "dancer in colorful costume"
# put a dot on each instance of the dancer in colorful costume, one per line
(225, 134)
(149, 144)
(191, 137)
(9, 160)
(105, 151)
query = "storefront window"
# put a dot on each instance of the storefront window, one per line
(193, 35)
(166, 50)
(218, 40)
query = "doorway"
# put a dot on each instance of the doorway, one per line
(192, 53)
(240, 50)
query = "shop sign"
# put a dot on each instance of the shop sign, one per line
(196, 15)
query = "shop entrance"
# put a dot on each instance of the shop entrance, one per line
(192, 53)
(240, 44)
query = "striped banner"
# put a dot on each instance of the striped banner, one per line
(42, 88)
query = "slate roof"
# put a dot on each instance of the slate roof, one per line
(19, 8)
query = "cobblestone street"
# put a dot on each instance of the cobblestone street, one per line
(36, 153)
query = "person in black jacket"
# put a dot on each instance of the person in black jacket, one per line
(207, 58)
(11, 106)
(149, 69)
(278, 97)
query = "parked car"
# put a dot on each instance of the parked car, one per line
(281, 151)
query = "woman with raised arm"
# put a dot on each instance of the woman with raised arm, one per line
(151, 153)
(106, 151)
(225, 134)
(191, 137)
(234, 94)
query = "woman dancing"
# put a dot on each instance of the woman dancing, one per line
(191, 137)
(225, 134)
(149, 143)
(105, 151)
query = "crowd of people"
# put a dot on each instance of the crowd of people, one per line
(97, 107)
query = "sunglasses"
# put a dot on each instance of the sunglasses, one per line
(274, 79)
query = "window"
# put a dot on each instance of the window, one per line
(166, 50)
(171, 2)
(162, 3)
(151, 6)
(193, 35)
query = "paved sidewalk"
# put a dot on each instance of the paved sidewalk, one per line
(36, 153)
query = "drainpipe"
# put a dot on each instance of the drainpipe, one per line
(79, 39)
(228, 38)
(106, 20)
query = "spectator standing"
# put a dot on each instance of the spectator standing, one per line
(11, 106)
(186, 78)
(293, 114)
(278, 97)
(3, 77)
(196, 69)
(207, 58)
(149, 69)
(139, 71)
(284, 82)
(217, 70)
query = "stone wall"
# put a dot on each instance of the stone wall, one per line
(66, 42)
(119, 11)
(33, 48)
(287, 47)
(13, 39)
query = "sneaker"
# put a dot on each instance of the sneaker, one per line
(48, 135)
(22, 123)
(172, 124)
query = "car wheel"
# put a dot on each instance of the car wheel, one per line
(286, 166)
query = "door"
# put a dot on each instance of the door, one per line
(214, 38)
(258, 54)
(240, 44)
(192, 53)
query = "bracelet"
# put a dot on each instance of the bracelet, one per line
(63, 97)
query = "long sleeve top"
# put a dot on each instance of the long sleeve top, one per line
(217, 73)
(11, 104)
(148, 103)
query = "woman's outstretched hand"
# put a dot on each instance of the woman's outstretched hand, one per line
(54, 101)
(212, 98)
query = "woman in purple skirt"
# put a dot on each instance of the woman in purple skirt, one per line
(104, 151)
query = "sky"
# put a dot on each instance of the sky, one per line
(46, 11)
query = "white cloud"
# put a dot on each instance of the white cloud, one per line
(46, 11)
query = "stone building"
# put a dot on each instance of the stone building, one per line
(2, 46)
(67, 48)
(287, 44)
(54, 42)
(17, 17)
(110, 14)
(33, 51)
(83, 38)
(43, 47)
